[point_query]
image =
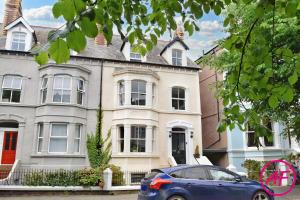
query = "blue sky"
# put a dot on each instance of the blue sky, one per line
(38, 12)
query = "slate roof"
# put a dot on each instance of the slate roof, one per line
(110, 52)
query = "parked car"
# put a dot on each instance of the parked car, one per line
(199, 182)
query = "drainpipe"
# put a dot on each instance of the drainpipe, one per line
(100, 104)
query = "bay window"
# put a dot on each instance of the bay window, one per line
(77, 138)
(62, 89)
(138, 139)
(138, 92)
(11, 89)
(121, 93)
(58, 138)
(44, 89)
(121, 139)
(80, 91)
(40, 137)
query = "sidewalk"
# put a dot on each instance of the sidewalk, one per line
(294, 195)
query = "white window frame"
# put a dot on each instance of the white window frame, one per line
(121, 94)
(58, 137)
(261, 139)
(78, 139)
(62, 89)
(138, 92)
(153, 139)
(82, 91)
(138, 138)
(44, 89)
(11, 88)
(18, 40)
(40, 138)
(153, 94)
(177, 58)
(135, 56)
(178, 99)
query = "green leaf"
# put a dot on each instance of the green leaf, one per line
(235, 110)
(221, 127)
(227, 2)
(149, 45)
(68, 9)
(131, 37)
(76, 40)
(217, 9)
(153, 38)
(298, 67)
(291, 8)
(206, 8)
(42, 58)
(196, 9)
(226, 21)
(288, 96)
(89, 28)
(293, 79)
(57, 9)
(79, 5)
(273, 101)
(59, 51)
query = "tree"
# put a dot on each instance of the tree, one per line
(99, 149)
(262, 66)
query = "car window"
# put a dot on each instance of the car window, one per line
(221, 175)
(190, 173)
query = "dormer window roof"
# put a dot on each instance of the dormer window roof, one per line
(176, 39)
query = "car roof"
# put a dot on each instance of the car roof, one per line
(179, 167)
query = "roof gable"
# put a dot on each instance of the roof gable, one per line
(17, 21)
(176, 39)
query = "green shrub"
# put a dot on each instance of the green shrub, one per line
(89, 177)
(253, 168)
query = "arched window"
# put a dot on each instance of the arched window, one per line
(18, 41)
(11, 88)
(178, 98)
(121, 92)
(138, 92)
(62, 89)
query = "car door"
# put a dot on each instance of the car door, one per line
(226, 185)
(195, 181)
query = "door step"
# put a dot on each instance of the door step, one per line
(4, 171)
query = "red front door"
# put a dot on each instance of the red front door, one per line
(9, 147)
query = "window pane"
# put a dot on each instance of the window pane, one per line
(57, 95)
(7, 82)
(175, 104)
(133, 146)
(66, 96)
(14, 46)
(142, 146)
(175, 92)
(252, 140)
(78, 131)
(66, 83)
(58, 82)
(80, 85)
(79, 97)
(268, 143)
(44, 95)
(77, 145)
(179, 62)
(142, 132)
(221, 175)
(59, 130)
(181, 105)
(21, 46)
(41, 130)
(134, 99)
(40, 143)
(134, 86)
(142, 87)
(121, 131)
(181, 93)
(122, 99)
(44, 83)
(195, 173)
(58, 145)
(134, 132)
(16, 96)
(6, 95)
(142, 99)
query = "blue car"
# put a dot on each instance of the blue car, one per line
(199, 182)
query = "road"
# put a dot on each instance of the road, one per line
(294, 195)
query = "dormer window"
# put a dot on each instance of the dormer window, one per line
(134, 56)
(18, 41)
(177, 57)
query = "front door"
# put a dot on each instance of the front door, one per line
(9, 147)
(178, 146)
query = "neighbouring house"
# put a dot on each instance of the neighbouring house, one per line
(151, 103)
(232, 148)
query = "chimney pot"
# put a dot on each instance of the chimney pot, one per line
(13, 10)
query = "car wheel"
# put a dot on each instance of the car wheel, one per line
(260, 196)
(176, 198)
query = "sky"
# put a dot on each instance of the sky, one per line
(39, 12)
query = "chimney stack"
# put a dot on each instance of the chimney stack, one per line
(13, 10)
(100, 39)
(179, 32)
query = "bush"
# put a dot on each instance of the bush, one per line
(117, 174)
(253, 168)
(83, 177)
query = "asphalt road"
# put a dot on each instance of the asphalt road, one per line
(294, 195)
